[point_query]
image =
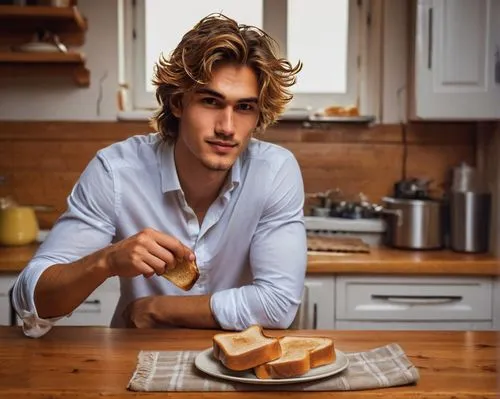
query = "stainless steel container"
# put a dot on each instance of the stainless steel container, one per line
(469, 221)
(413, 224)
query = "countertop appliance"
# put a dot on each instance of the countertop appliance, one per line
(470, 211)
(415, 220)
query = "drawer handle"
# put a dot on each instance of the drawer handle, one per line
(430, 39)
(418, 300)
(89, 306)
(315, 317)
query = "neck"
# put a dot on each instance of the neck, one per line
(200, 185)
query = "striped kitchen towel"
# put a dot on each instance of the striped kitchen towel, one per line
(386, 366)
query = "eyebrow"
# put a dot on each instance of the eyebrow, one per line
(219, 95)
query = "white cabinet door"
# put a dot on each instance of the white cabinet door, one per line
(496, 304)
(6, 282)
(320, 301)
(457, 59)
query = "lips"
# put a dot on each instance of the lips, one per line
(222, 147)
(222, 143)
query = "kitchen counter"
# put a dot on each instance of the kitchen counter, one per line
(404, 262)
(89, 362)
(379, 261)
(14, 259)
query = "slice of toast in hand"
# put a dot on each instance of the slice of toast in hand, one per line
(246, 349)
(184, 274)
(299, 355)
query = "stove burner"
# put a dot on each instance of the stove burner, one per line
(354, 210)
(332, 203)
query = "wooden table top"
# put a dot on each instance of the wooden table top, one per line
(85, 362)
(379, 261)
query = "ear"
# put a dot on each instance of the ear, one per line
(176, 105)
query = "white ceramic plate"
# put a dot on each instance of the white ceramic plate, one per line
(208, 364)
(38, 47)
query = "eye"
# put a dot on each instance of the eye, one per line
(210, 101)
(245, 107)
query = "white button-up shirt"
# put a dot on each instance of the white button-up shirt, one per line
(250, 249)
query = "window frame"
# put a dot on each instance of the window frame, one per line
(132, 53)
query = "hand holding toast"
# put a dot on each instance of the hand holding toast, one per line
(148, 252)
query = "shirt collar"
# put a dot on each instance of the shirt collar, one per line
(168, 171)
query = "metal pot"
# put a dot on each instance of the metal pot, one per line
(413, 223)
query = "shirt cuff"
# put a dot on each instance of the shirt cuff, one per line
(34, 326)
(24, 302)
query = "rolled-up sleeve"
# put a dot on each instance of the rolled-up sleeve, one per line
(86, 226)
(278, 259)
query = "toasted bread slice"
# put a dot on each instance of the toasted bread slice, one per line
(184, 274)
(246, 349)
(299, 355)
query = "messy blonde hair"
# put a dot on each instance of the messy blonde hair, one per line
(216, 40)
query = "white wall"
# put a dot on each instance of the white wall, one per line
(58, 98)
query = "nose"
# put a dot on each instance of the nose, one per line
(225, 122)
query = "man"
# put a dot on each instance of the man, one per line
(201, 188)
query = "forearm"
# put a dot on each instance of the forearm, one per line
(183, 311)
(63, 287)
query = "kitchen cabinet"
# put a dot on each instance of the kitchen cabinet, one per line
(320, 301)
(371, 302)
(6, 282)
(496, 304)
(98, 308)
(18, 25)
(416, 303)
(457, 60)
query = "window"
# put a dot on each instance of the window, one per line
(323, 34)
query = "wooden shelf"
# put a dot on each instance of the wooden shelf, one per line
(15, 64)
(20, 57)
(42, 14)
(19, 23)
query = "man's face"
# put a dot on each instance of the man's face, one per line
(217, 120)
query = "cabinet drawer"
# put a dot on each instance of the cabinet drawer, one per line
(434, 325)
(97, 309)
(405, 298)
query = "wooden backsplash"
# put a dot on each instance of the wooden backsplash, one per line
(41, 161)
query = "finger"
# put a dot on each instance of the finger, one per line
(148, 275)
(178, 249)
(159, 265)
(166, 257)
(146, 270)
